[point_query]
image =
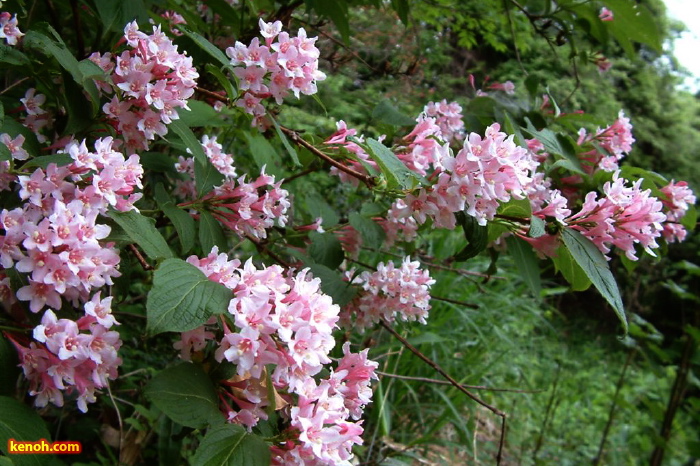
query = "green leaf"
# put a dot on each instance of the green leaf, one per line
(210, 233)
(518, 208)
(537, 227)
(337, 11)
(206, 176)
(333, 284)
(569, 268)
(183, 298)
(186, 394)
(56, 48)
(596, 268)
(2, 115)
(180, 128)
(690, 219)
(527, 263)
(387, 113)
(200, 114)
(143, 232)
(393, 169)
(633, 22)
(115, 14)
(158, 162)
(318, 207)
(182, 221)
(12, 56)
(224, 81)
(285, 142)
(264, 154)
(476, 235)
(401, 8)
(326, 249)
(8, 367)
(205, 45)
(5, 154)
(555, 143)
(22, 423)
(372, 234)
(231, 445)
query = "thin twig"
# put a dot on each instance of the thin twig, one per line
(445, 382)
(262, 248)
(296, 139)
(145, 265)
(611, 414)
(212, 95)
(452, 381)
(119, 420)
(298, 175)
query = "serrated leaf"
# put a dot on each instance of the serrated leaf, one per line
(9, 369)
(264, 154)
(231, 445)
(555, 143)
(537, 227)
(372, 234)
(56, 48)
(206, 176)
(184, 132)
(285, 142)
(183, 298)
(690, 219)
(393, 169)
(569, 268)
(633, 22)
(182, 221)
(5, 154)
(143, 232)
(200, 114)
(517, 208)
(476, 235)
(224, 81)
(210, 232)
(115, 15)
(12, 56)
(596, 268)
(326, 249)
(21, 423)
(186, 394)
(205, 45)
(387, 113)
(527, 263)
(318, 207)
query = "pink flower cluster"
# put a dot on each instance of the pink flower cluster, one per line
(448, 116)
(249, 208)
(484, 173)
(72, 356)
(678, 198)
(55, 236)
(625, 216)
(617, 141)
(275, 68)
(340, 139)
(8, 28)
(222, 161)
(286, 321)
(424, 149)
(388, 292)
(152, 79)
(37, 118)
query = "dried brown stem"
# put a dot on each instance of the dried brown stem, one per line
(445, 382)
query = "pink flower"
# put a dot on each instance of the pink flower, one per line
(605, 14)
(8, 28)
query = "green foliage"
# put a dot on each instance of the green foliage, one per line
(182, 298)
